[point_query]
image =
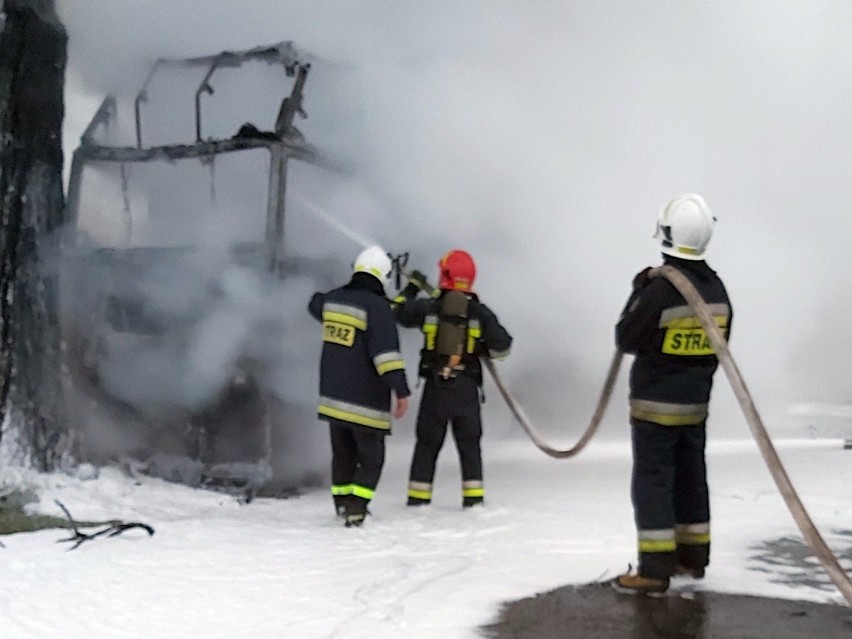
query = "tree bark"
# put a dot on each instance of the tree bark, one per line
(32, 69)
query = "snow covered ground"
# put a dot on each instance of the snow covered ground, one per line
(288, 568)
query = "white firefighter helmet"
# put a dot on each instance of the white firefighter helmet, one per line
(684, 227)
(375, 261)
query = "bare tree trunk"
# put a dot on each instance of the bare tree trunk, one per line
(32, 70)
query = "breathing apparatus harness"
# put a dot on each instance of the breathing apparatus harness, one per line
(450, 334)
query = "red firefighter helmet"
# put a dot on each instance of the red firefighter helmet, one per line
(457, 271)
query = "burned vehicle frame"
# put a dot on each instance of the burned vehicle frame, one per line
(180, 443)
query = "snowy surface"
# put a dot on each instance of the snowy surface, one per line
(288, 568)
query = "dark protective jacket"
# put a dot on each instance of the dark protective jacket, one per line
(672, 374)
(361, 361)
(485, 335)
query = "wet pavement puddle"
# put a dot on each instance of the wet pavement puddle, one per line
(596, 611)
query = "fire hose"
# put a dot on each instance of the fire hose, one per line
(809, 531)
(399, 268)
(591, 429)
(770, 456)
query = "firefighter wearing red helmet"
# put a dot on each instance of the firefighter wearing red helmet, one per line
(456, 271)
(457, 329)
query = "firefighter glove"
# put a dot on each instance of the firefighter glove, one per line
(418, 279)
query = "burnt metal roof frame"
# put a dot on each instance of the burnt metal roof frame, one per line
(283, 53)
(204, 87)
(142, 96)
(103, 116)
(296, 149)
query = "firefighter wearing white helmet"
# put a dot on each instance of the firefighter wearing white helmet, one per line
(362, 380)
(375, 261)
(685, 226)
(670, 383)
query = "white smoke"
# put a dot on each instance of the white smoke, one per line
(543, 137)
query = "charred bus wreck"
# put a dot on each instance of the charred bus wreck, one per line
(164, 366)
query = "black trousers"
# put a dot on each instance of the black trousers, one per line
(357, 458)
(670, 497)
(455, 401)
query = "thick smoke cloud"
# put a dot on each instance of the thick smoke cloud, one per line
(543, 138)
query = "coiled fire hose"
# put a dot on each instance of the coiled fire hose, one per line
(720, 345)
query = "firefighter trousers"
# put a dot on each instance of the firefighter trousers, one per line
(357, 458)
(456, 401)
(670, 497)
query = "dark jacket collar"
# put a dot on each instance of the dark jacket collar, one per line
(699, 267)
(366, 282)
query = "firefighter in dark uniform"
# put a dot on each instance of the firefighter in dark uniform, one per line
(670, 383)
(361, 372)
(458, 329)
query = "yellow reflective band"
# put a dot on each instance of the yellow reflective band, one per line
(657, 545)
(420, 494)
(693, 322)
(430, 330)
(343, 318)
(355, 418)
(392, 365)
(473, 492)
(473, 334)
(363, 491)
(388, 361)
(692, 538)
(671, 315)
(343, 489)
(372, 270)
(667, 420)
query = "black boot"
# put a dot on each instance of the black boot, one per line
(340, 503)
(355, 520)
(356, 511)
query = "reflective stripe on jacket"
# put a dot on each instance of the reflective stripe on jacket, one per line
(361, 361)
(484, 335)
(672, 373)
